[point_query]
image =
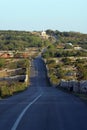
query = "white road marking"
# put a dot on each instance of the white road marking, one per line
(23, 112)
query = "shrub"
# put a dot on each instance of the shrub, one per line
(2, 63)
(9, 88)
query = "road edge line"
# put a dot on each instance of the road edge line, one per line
(14, 127)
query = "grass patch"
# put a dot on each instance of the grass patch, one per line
(8, 89)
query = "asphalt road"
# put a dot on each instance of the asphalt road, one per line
(42, 107)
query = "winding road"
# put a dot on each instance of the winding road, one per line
(42, 107)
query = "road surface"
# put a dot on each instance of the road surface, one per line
(42, 107)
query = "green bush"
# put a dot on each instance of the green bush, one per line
(4, 91)
(8, 89)
(2, 63)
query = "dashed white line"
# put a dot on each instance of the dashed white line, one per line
(23, 112)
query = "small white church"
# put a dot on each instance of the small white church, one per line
(44, 35)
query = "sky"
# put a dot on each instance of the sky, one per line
(36, 15)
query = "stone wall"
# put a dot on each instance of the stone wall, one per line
(75, 86)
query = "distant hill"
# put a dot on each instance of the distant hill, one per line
(19, 40)
(75, 38)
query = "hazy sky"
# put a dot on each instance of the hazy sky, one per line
(29, 15)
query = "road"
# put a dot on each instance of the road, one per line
(42, 107)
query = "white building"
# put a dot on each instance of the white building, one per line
(44, 35)
(77, 48)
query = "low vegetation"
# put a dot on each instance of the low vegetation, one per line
(9, 88)
(66, 58)
(19, 40)
(14, 67)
